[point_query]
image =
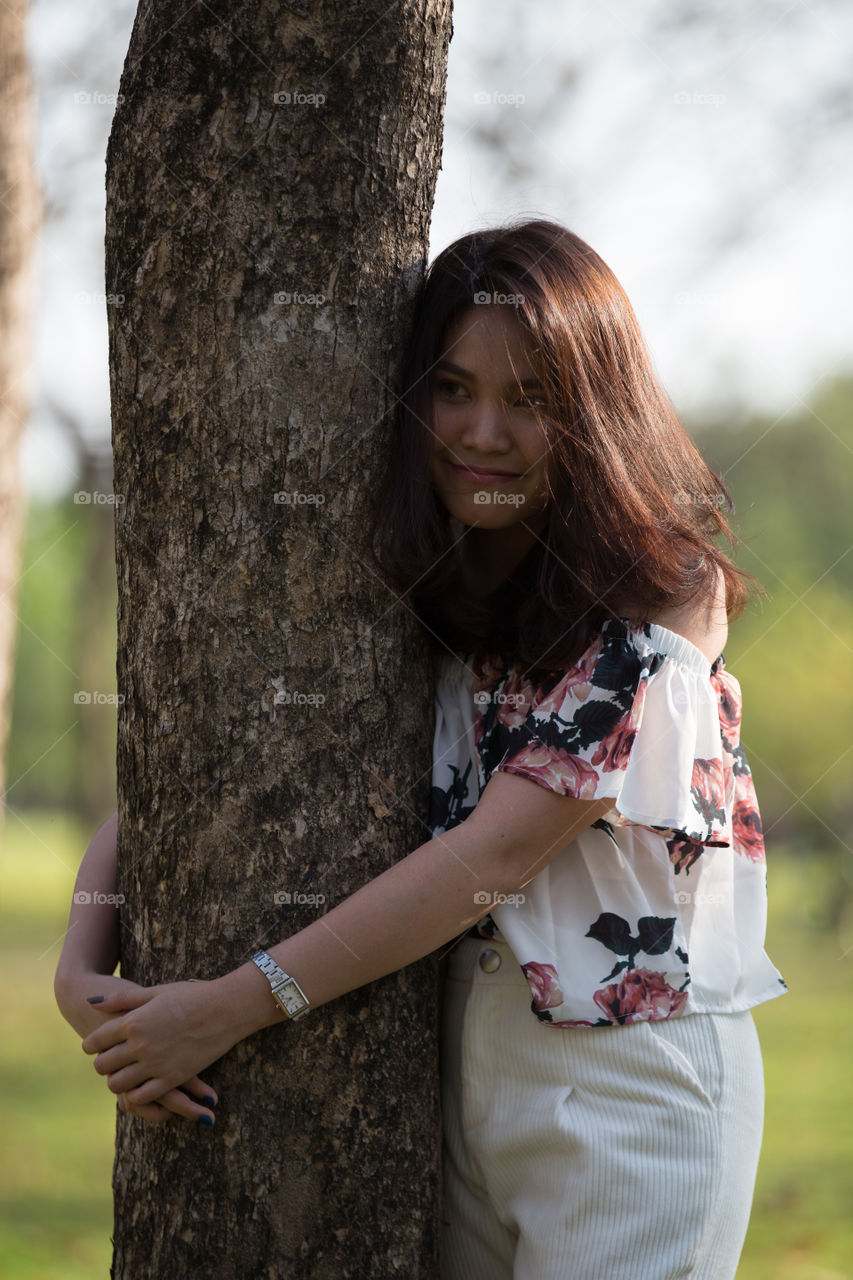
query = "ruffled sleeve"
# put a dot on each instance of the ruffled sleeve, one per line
(639, 718)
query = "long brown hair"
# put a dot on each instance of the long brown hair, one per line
(634, 507)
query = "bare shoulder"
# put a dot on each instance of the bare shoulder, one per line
(703, 622)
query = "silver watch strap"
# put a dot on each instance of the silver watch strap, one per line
(286, 990)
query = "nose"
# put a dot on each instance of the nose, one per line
(485, 430)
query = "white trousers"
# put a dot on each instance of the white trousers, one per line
(591, 1153)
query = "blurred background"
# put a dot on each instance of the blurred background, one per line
(704, 151)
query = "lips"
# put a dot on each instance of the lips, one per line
(482, 476)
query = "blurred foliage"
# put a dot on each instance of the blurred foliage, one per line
(61, 754)
(791, 480)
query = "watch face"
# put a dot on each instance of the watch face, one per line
(289, 998)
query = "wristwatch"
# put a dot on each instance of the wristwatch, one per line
(286, 990)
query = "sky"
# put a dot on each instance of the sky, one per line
(703, 152)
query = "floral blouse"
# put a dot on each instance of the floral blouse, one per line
(659, 908)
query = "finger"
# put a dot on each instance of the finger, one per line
(134, 1076)
(174, 1102)
(111, 1060)
(205, 1092)
(152, 1111)
(140, 1091)
(126, 998)
(181, 1104)
(104, 1037)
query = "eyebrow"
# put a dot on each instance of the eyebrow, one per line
(466, 373)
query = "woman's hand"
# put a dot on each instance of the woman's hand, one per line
(174, 1102)
(168, 1033)
(71, 992)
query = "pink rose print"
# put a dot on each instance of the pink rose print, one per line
(542, 980)
(487, 669)
(708, 784)
(730, 702)
(747, 833)
(683, 852)
(641, 995)
(566, 774)
(615, 747)
(514, 702)
(577, 681)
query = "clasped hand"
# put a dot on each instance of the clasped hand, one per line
(166, 1035)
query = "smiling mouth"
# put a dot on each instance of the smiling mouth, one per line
(484, 477)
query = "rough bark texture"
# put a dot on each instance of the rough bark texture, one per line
(325, 1158)
(20, 209)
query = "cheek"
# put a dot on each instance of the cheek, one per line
(441, 426)
(535, 446)
(438, 446)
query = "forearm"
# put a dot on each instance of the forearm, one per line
(91, 939)
(416, 906)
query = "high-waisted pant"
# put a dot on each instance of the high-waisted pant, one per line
(591, 1153)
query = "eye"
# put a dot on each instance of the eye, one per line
(444, 383)
(532, 400)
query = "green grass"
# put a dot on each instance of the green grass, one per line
(57, 1116)
(801, 1227)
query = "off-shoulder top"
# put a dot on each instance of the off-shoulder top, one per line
(658, 909)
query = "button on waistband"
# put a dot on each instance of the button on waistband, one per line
(489, 960)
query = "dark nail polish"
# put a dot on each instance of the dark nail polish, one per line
(205, 1120)
(94, 999)
(209, 1102)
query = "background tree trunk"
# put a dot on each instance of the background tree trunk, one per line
(20, 209)
(274, 737)
(93, 621)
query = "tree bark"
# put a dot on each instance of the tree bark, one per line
(275, 731)
(20, 210)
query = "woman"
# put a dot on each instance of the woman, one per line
(597, 858)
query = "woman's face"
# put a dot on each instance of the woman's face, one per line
(488, 464)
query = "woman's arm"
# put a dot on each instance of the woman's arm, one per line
(407, 912)
(419, 904)
(91, 953)
(91, 939)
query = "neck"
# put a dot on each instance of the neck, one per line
(490, 555)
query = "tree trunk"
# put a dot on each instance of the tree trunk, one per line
(20, 209)
(275, 732)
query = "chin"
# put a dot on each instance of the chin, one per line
(486, 518)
